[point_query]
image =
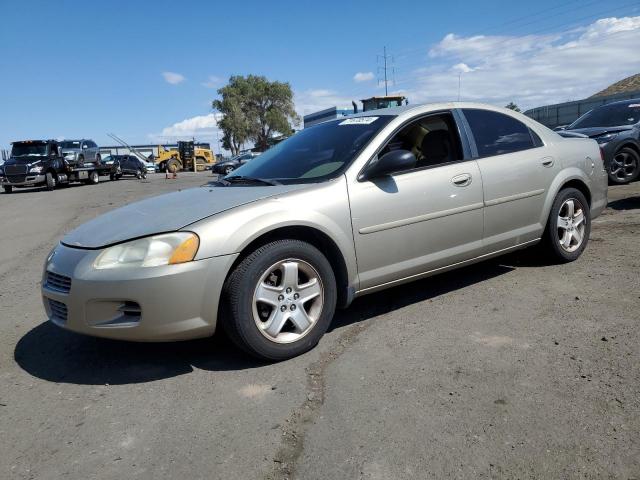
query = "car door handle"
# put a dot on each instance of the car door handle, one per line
(547, 162)
(462, 180)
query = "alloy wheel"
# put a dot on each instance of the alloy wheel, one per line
(623, 166)
(288, 300)
(571, 225)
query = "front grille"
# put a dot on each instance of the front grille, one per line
(16, 178)
(58, 310)
(15, 169)
(57, 282)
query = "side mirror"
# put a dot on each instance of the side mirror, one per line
(393, 161)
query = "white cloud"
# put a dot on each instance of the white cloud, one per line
(363, 77)
(461, 68)
(532, 70)
(173, 78)
(212, 82)
(200, 127)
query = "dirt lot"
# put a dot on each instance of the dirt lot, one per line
(507, 369)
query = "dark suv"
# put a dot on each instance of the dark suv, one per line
(616, 127)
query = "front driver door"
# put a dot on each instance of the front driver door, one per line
(419, 220)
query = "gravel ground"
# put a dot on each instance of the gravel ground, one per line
(507, 369)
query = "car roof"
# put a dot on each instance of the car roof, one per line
(427, 107)
(620, 102)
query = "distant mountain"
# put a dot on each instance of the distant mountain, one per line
(629, 84)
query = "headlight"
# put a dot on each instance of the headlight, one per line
(606, 138)
(37, 169)
(166, 249)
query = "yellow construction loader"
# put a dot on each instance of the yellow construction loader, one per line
(182, 158)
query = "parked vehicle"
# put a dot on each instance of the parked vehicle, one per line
(228, 166)
(129, 165)
(109, 159)
(616, 127)
(40, 162)
(269, 251)
(79, 152)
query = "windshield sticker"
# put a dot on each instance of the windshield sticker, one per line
(359, 121)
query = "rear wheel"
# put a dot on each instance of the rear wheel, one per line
(7, 188)
(51, 181)
(279, 300)
(569, 226)
(80, 162)
(94, 178)
(98, 159)
(625, 166)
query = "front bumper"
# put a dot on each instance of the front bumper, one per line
(28, 180)
(172, 302)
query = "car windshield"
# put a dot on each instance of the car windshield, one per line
(615, 115)
(38, 149)
(70, 144)
(316, 153)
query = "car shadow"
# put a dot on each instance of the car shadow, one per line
(629, 203)
(56, 355)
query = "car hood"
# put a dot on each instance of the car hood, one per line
(167, 213)
(598, 131)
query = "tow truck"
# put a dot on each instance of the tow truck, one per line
(34, 163)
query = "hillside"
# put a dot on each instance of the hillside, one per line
(629, 84)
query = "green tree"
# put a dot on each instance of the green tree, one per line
(512, 106)
(253, 108)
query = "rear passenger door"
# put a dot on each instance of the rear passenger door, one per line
(516, 172)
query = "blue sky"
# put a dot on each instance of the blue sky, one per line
(148, 71)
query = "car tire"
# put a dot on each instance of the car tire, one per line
(7, 188)
(51, 181)
(94, 178)
(285, 325)
(568, 227)
(228, 170)
(98, 159)
(80, 162)
(624, 166)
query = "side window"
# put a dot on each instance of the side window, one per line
(497, 134)
(433, 139)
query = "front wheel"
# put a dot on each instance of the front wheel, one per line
(51, 181)
(624, 167)
(569, 226)
(279, 300)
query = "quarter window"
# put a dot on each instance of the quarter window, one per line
(497, 134)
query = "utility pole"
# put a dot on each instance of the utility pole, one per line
(385, 60)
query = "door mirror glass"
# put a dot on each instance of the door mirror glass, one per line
(393, 161)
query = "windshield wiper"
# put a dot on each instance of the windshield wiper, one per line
(243, 179)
